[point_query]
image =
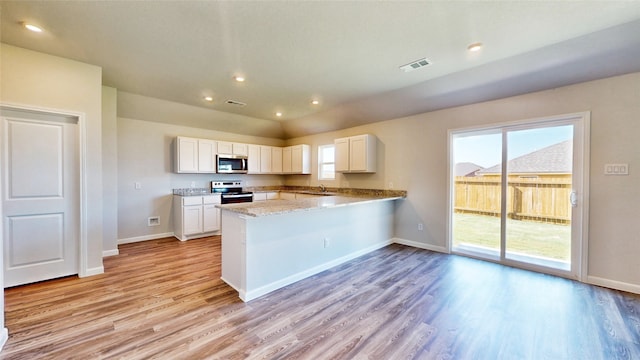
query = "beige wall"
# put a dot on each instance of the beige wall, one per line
(413, 155)
(110, 170)
(38, 80)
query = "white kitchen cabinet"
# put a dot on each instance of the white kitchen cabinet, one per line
(206, 156)
(276, 160)
(232, 148)
(210, 213)
(195, 155)
(286, 160)
(296, 159)
(253, 159)
(195, 216)
(356, 154)
(265, 159)
(263, 196)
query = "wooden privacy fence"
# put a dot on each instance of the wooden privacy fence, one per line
(534, 199)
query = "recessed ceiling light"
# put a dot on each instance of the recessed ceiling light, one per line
(278, 114)
(315, 102)
(208, 98)
(238, 78)
(475, 46)
(32, 27)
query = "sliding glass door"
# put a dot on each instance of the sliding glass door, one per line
(514, 193)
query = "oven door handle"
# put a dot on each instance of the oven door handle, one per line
(237, 196)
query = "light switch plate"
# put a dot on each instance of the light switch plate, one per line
(616, 169)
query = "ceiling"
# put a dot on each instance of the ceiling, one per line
(346, 54)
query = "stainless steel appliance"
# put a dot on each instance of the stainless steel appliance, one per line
(231, 191)
(232, 164)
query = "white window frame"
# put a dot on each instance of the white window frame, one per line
(322, 162)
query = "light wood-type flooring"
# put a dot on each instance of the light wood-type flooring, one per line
(164, 299)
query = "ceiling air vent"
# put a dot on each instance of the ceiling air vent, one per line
(415, 65)
(233, 102)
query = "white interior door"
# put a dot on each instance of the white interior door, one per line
(40, 196)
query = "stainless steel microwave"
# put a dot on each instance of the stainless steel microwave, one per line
(231, 164)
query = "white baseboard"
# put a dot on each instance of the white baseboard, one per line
(112, 252)
(144, 238)
(253, 294)
(93, 271)
(420, 245)
(613, 284)
(4, 336)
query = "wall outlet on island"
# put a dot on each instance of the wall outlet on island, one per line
(327, 242)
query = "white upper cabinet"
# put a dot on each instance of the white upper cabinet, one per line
(253, 159)
(286, 160)
(301, 159)
(195, 155)
(231, 148)
(206, 156)
(265, 159)
(225, 147)
(240, 149)
(356, 154)
(296, 159)
(276, 160)
(342, 154)
(199, 156)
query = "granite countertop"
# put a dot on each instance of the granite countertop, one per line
(277, 207)
(192, 192)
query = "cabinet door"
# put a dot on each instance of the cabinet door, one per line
(210, 218)
(259, 196)
(240, 149)
(358, 153)
(265, 159)
(192, 219)
(286, 160)
(276, 160)
(206, 156)
(225, 147)
(186, 155)
(342, 154)
(254, 159)
(296, 159)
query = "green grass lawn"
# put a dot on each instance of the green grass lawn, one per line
(549, 241)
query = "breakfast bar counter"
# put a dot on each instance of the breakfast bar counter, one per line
(270, 244)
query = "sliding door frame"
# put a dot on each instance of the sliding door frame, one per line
(580, 182)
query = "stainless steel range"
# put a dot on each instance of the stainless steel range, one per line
(231, 191)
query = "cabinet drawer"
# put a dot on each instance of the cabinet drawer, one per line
(191, 200)
(211, 199)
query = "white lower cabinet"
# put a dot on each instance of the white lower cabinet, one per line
(195, 216)
(263, 196)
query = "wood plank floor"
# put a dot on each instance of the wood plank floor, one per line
(164, 300)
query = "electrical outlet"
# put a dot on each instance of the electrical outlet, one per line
(193, 184)
(420, 227)
(390, 185)
(137, 185)
(616, 169)
(327, 242)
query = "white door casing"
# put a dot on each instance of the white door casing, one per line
(41, 196)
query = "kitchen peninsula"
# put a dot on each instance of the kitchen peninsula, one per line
(269, 244)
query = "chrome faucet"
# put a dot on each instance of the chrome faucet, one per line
(322, 188)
